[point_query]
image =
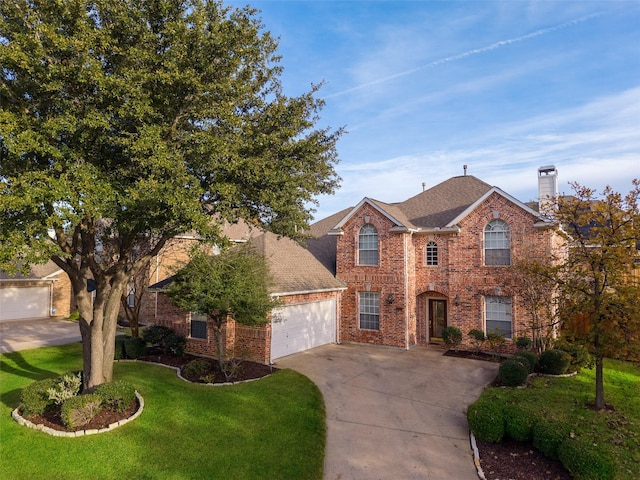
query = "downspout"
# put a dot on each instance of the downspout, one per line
(155, 298)
(406, 292)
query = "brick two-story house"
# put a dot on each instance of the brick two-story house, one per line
(442, 257)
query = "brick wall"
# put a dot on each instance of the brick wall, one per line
(63, 298)
(460, 276)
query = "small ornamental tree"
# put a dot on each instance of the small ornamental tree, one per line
(234, 284)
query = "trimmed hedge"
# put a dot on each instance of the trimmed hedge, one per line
(548, 436)
(585, 461)
(116, 395)
(554, 362)
(486, 421)
(119, 352)
(197, 368)
(452, 336)
(35, 397)
(513, 373)
(134, 347)
(518, 423)
(530, 357)
(78, 411)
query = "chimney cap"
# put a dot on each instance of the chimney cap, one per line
(547, 169)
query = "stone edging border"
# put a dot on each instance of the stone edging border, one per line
(189, 381)
(80, 433)
(476, 456)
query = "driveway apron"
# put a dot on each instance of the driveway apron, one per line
(25, 334)
(394, 414)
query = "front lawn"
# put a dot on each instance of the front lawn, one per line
(266, 429)
(565, 406)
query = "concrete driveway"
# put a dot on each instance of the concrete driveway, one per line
(25, 334)
(395, 414)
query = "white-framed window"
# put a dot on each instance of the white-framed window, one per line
(198, 327)
(368, 245)
(431, 254)
(497, 243)
(369, 310)
(498, 314)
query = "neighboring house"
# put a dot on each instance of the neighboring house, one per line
(308, 317)
(439, 258)
(44, 292)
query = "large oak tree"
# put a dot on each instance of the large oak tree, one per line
(129, 120)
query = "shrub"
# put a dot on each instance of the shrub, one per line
(518, 423)
(486, 420)
(585, 461)
(78, 411)
(134, 347)
(156, 334)
(513, 373)
(65, 387)
(548, 436)
(580, 356)
(175, 345)
(196, 368)
(452, 336)
(530, 357)
(119, 352)
(554, 362)
(523, 343)
(35, 397)
(116, 395)
(478, 338)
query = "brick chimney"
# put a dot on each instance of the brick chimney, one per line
(547, 186)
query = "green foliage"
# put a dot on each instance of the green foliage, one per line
(548, 435)
(116, 395)
(66, 386)
(196, 368)
(513, 373)
(530, 358)
(78, 411)
(452, 336)
(35, 397)
(580, 356)
(119, 352)
(486, 420)
(554, 362)
(523, 343)
(174, 345)
(134, 347)
(518, 422)
(478, 338)
(157, 334)
(496, 340)
(124, 124)
(586, 461)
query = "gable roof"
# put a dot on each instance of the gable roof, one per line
(441, 207)
(47, 271)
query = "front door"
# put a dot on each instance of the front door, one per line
(437, 318)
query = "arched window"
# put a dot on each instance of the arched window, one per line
(368, 245)
(432, 253)
(497, 244)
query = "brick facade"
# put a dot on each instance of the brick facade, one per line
(460, 279)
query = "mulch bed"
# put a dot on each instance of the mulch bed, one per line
(509, 459)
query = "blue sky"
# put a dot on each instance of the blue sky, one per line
(424, 88)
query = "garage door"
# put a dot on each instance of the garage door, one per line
(302, 326)
(18, 303)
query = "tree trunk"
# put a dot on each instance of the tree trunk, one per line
(217, 330)
(599, 382)
(98, 322)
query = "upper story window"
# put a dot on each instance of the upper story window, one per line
(497, 243)
(432, 253)
(368, 245)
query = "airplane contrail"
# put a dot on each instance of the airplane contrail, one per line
(469, 53)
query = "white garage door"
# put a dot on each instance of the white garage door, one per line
(302, 326)
(21, 303)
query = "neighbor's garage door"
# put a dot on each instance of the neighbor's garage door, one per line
(302, 326)
(21, 303)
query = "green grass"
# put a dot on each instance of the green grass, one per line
(569, 401)
(266, 429)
